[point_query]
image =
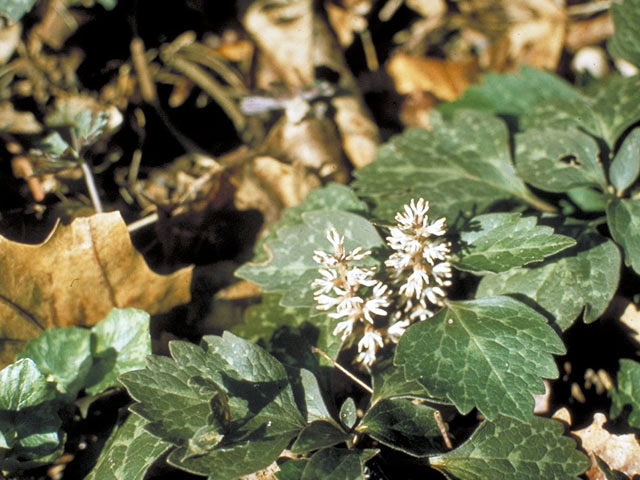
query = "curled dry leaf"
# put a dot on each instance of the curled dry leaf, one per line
(620, 452)
(75, 277)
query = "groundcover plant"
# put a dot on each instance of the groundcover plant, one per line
(406, 320)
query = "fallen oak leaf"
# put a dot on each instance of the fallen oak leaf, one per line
(75, 277)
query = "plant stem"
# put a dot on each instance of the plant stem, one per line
(443, 429)
(363, 385)
(91, 186)
(538, 203)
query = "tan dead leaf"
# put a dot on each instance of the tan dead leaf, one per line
(620, 452)
(75, 277)
(13, 121)
(445, 79)
(589, 32)
(9, 39)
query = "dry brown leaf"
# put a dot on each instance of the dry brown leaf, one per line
(13, 121)
(9, 39)
(446, 79)
(620, 452)
(589, 32)
(75, 277)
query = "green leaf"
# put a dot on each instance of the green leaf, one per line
(498, 242)
(507, 448)
(583, 278)
(180, 395)
(334, 197)
(54, 145)
(488, 353)
(392, 383)
(14, 10)
(606, 114)
(316, 435)
(291, 469)
(128, 453)
(625, 166)
(511, 94)
(623, 218)
(263, 319)
(558, 160)
(29, 423)
(625, 42)
(403, 425)
(120, 343)
(588, 199)
(628, 392)
(461, 167)
(63, 355)
(348, 414)
(291, 268)
(108, 4)
(337, 464)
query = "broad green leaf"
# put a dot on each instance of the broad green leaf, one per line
(262, 320)
(337, 464)
(317, 435)
(623, 218)
(625, 166)
(461, 167)
(628, 392)
(87, 126)
(291, 469)
(583, 278)
(121, 342)
(403, 425)
(608, 473)
(511, 94)
(625, 42)
(176, 394)
(392, 383)
(558, 160)
(489, 353)
(63, 355)
(108, 4)
(507, 448)
(14, 10)
(607, 113)
(291, 268)
(128, 453)
(498, 242)
(348, 413)
(29, 423)
(333, 197)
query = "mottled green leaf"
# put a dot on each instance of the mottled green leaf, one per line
(625, 42)
(179, 396)
(583, 278)
(29, 423)
(128, 453)
(588, 199)
(607, 113)
(120, 343)
(63, 355)
(625, 166)
(262, 320)
(54, 145)
(403, 425)
(628, 392)
(462, 166)
(507, 448)
(291, 469)
(316, 435)
(291, 268)
(623, 218)
(337, 464)
(558, 160)
(14, 10)
(334, 197)
(511, 93)
(498, 242)
(489, 353)
(348, 413)
(393, 383)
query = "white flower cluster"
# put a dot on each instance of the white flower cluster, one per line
(340, 290)
(420, 264)
(419, 267)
